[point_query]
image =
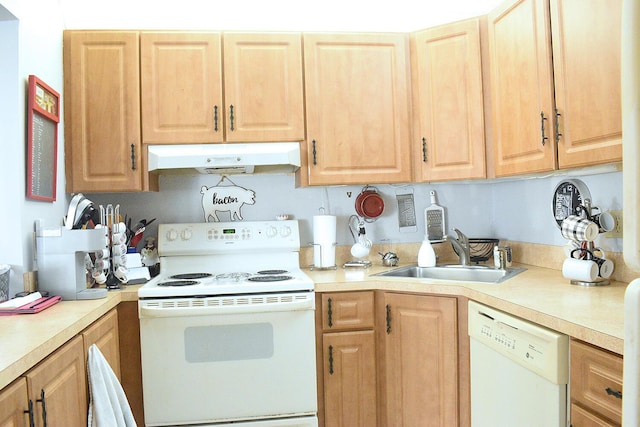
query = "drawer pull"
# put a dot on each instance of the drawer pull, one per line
(44, 407)
(30, 412)
(614, 393)
(330, 360)
(329, 313)
(424, 150)
(388, 319)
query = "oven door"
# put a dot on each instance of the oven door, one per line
(219, 359)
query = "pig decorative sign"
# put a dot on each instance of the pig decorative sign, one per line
(228, 198)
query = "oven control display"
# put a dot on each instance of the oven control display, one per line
(229, 231)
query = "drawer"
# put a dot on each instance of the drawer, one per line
(347, 310)
(596, 380)
(582, 418)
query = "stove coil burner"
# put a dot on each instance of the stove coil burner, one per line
(232, 277)
(178, 283)
(272, 278)
(191, 276)
(272, 272)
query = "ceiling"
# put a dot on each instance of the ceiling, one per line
(269, 15)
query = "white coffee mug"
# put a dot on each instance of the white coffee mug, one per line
(102, 264)
(121, 274)
(606, 221)
(119, 249)
(103, 253)
(118, 238)
(605, 267)
(99, 276)
(584, 270)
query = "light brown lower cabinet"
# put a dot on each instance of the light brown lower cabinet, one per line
(55, 391)
(391, 359)
(418, 355)
(596, 386)
(14, 404)
(58, 387)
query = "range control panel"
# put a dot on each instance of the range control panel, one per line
(226, 237)
(533, 346)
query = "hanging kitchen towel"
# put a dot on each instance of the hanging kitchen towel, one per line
(108, 405)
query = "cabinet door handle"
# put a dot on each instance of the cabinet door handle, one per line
(424, 150)
(614, 393)
(231, 118)
(542, 127)
(330, 360)
(30, 412)
(557, 121)
(315, 154)
(133, 157)
(44, 407)
(329, 313)
(215, 118)
(388, 319)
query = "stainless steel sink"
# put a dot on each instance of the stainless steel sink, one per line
(455, 272)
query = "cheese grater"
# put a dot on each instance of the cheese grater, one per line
(434, 220)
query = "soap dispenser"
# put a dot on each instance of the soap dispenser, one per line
(426, 254)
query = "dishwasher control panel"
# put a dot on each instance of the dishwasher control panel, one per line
(541, 350)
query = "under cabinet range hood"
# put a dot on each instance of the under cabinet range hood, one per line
(225, 159)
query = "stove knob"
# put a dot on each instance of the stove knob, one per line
(172, 235)
(285, 231)
(271, 231)
(186, 234)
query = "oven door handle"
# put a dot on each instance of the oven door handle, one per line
(233, 309)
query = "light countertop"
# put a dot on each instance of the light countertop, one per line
(540, 295)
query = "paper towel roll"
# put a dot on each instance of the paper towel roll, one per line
(324, 241)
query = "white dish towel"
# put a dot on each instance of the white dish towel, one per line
(108, 404)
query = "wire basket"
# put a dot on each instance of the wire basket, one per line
(480, 249)
(4, 282)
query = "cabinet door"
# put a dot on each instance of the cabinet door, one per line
(596, 381)
(349, 379)
(586, 63)
(448, 102)
(357, 108)
(102, 111)
(104, 334)
(181, 87)
(13, 404)
(420, 361)
(522, 87)
(263, 87)
(57, 386)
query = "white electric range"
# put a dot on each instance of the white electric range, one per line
(227, 328)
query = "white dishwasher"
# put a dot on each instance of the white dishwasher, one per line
(519, 371)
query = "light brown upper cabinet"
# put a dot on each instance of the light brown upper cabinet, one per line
(449, 133)
(586, 65)
(263, 89)
(357, 100)
(182, 87)
(522, 87)
(102, 111)
(584, 125)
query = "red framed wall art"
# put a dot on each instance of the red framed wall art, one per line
(43, 115)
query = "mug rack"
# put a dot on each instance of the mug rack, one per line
(585, 210)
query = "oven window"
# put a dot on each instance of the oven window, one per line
(222, 343)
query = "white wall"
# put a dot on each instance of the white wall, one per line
(31, 31)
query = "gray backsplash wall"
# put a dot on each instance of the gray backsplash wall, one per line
(517, 209)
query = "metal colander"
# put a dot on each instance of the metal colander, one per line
(480, 249)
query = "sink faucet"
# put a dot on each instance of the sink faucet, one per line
(461, 245)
